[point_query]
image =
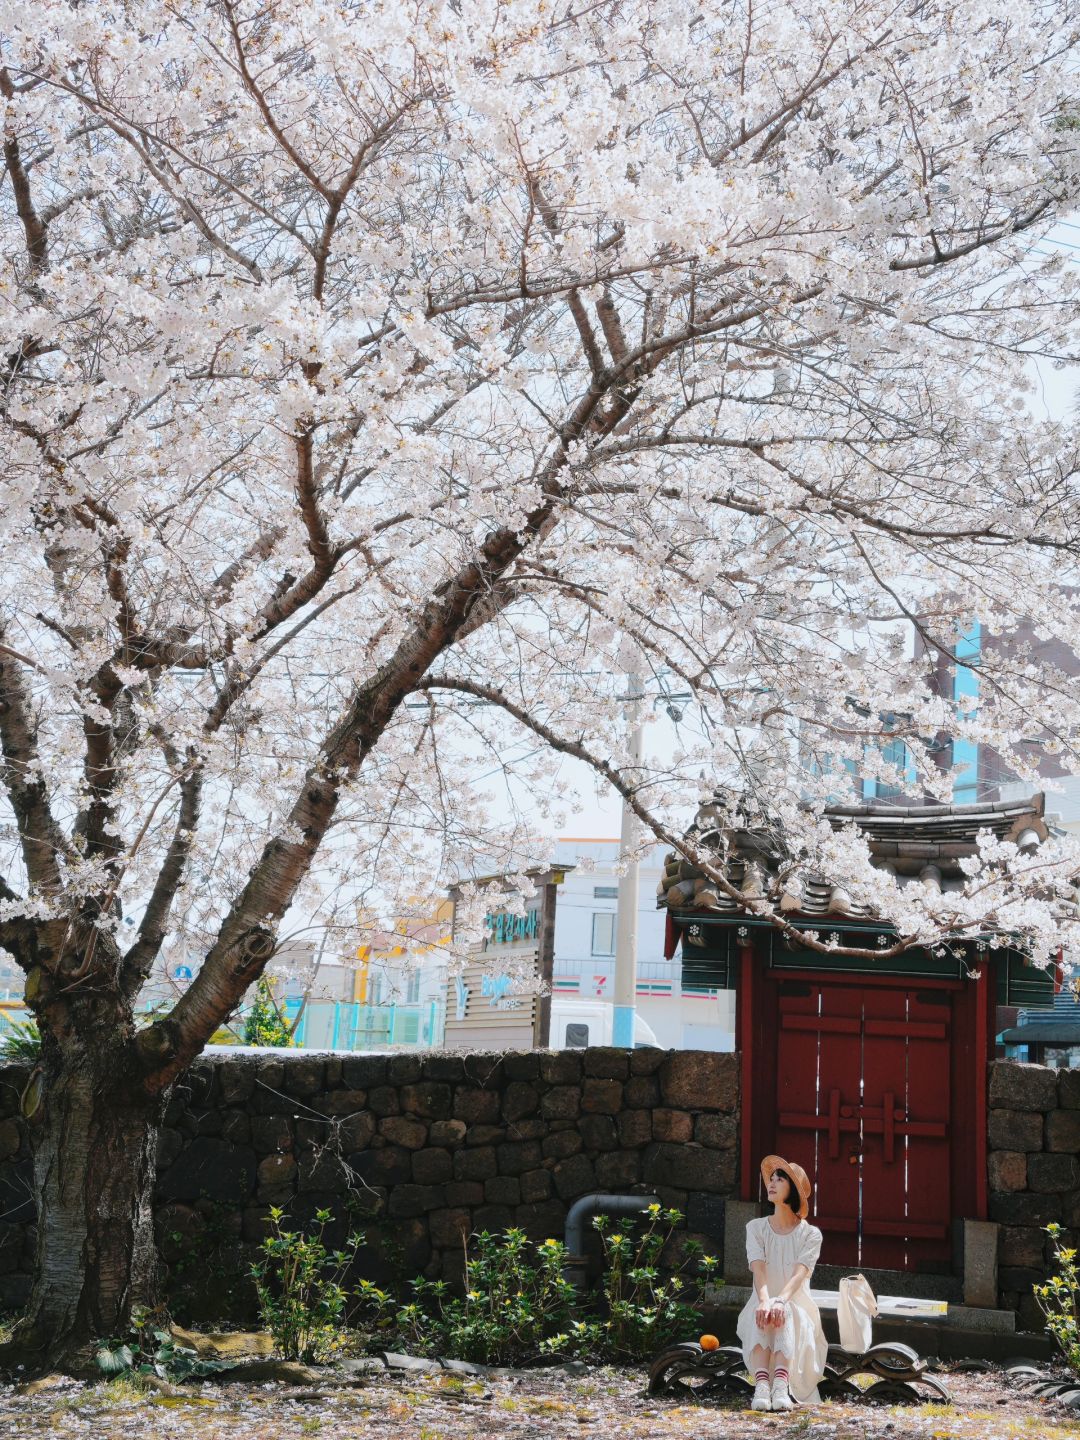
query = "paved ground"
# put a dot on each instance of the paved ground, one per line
(605, 1404)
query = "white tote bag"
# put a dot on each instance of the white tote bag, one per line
(855, 1310)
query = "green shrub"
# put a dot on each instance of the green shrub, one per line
(515, 1297)
(298, 1282)
(150, 1350)
(518, 1305)
(1059, 1300)
(264, 1023)
(22, 1043)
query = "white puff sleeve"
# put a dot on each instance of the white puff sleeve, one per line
(755, 1242)
(809, 1247)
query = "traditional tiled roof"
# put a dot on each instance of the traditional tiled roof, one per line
(916, 843)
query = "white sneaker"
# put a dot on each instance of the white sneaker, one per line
(761, 1400)
(781, 1396)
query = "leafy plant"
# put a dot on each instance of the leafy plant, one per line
(298, 1281)
(1059, 1300)
(515, 1296)
(518, 1305)
(150, 1350)
(264, 1023)
(644, 1308)
(22, 1043)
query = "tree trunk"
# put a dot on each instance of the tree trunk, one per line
(95, 1146)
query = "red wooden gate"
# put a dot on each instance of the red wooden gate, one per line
(864, 1103)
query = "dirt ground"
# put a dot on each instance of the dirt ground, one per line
(551, 1404)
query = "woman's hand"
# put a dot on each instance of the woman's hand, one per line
(777, 1313)
(761, 1314)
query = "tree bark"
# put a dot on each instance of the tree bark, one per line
(94, 1141)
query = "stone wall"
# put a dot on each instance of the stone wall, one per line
(1034, 1173)
(432, 1146)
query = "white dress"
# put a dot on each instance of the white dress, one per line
(801, 1337)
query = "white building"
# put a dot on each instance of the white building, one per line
(681, 1019)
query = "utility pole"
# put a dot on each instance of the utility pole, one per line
(626, 915)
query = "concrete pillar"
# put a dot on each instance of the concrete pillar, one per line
(980, 1264)
(736, 1215)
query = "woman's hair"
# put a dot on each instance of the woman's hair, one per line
(793, 1199)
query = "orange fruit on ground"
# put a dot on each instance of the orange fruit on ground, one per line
(709, 1342)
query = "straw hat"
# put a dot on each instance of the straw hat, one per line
(797, 1174)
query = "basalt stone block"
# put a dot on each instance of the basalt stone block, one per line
(618, 1169)
(1022, 1087)
(532, 1128)
(404, 1069)
(535, 1186)
(305, 1075)
(522, 1067)
(236, 1126)
(647, 1062)
(460, 1193)
(210, 1167)
(485, 1069)
(363, 1072)
(1069, 1089)
(699, 1080)
(450, 1133)
(271, 1132)
(13, 1081)
(428, 1099)
(476, 1106)
(574, 1177)
(515, 1157)
(313, 1132)
(674, 1126)
(607, 1062)
(276, 1170)
(1070, 1210)
(170, 1143)
(341, 1102)
(561, 1067)
(601, 1097)
(15, 1292)
(389, 1166)
(407, 1201)
(432, 1167)
(383, 1100)
(562, 1144)
(1050, 1174)
(1022, 1278)
(448, 1069)
(690, 1167)
(333, 1072)
(1063, 1130)
(1007, 1170)
(10, 1248)
(670, 1198)
(705, 1214)
(502, 1190)
(236, 1080)
(494, 1218)
(718, 1132)
(1015, 1130)
(1024, 1209)
(485, 1134)
(177, 1230)
(270, 1073)
(197, 1086)
(641, 1091)
(1021, 1245)
(323, 1170)
(356, 1131)
(562, 1102)
(634, 1127)
(475, 1164)
(404, 1130)
(449, 1228)
(519, 1099)
(544, 1221)
(598, 1132)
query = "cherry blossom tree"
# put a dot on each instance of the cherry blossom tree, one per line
(379, 376)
